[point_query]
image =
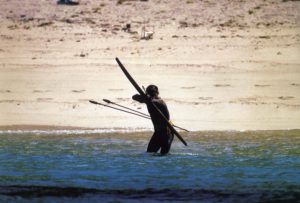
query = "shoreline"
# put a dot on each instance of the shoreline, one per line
(81, 130)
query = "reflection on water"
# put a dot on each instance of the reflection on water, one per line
(232, 163)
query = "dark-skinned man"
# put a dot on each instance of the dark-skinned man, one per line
(162, 137)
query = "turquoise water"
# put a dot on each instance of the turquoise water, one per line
(216, 166)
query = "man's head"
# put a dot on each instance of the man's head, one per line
(152, 90)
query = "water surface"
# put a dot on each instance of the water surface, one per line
(226, 166)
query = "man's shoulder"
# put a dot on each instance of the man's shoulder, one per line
(159, 101)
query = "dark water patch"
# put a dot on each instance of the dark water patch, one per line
(32, 192)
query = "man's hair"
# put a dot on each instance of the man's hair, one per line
(152, 90)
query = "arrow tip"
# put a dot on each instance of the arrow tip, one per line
(93, 102)
(106, 100)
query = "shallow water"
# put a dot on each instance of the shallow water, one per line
(216, 166)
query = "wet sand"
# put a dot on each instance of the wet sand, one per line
(220, 65)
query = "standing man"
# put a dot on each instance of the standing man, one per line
(162, 137)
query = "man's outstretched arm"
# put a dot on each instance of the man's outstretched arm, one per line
(139, 98)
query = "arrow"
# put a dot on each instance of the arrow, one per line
(98, 103)
(110, 102)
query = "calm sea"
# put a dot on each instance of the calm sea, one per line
(89, 166)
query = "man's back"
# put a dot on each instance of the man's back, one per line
(158, 122)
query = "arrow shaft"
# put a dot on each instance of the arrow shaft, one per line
(128, 108)
(181, 128)
(97, 103)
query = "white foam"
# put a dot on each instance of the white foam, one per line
(74, 132)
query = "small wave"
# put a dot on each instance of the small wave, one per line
(184, 154)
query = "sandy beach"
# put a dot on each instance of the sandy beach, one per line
(220, 65)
